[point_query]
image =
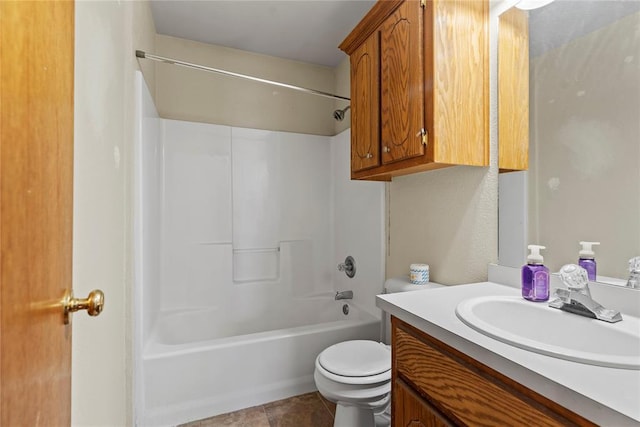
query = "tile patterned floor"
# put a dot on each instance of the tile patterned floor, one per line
(306, 410)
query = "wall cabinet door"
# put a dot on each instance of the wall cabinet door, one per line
(401, 83)
(365, 105)
(430, 87)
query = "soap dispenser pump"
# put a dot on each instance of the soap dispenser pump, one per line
(587, 259)
(535, 276)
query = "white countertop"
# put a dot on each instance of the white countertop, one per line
(606, 396)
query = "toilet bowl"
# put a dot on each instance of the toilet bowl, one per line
(356, 376)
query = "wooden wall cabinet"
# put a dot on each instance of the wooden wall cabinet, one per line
(513, 91)
(436, 385)
(419, 87)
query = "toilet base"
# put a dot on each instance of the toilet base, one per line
(353, 416)
(383, 418)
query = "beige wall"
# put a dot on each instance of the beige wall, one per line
(446, 218)
(193, 95)
(107, 33)
(584, 175)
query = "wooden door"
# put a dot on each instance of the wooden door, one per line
(401, 85)
(36, 169)
(365, 105)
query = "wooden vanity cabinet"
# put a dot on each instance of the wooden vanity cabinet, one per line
(435, 385)
(419, 87)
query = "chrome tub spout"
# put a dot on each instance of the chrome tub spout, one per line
(344, 295)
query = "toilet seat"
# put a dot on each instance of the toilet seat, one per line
(357, 358)
(356, 362)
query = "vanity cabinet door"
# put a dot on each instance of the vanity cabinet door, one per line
(401, 84)
(461, 389)
(411, 411)
(365, 105)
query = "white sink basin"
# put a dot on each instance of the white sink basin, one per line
(539, 328)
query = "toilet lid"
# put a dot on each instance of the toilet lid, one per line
(357, 358)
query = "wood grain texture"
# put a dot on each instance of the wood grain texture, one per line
(369, 24)
(428, 79)
(461, 76)
(403, 167)
(451, 78)
(365, 105)
(411, 411)
(401, 83)
(36, 169)
(465, 391)
(513, 90)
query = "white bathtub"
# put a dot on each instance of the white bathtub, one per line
(195, 366)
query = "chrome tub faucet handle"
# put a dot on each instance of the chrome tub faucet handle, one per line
(348, 266)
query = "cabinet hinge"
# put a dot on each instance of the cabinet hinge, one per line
(425, 136)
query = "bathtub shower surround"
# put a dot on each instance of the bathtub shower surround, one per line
(239, 232)
(233, 200)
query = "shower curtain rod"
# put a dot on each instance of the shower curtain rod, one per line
(145, 55)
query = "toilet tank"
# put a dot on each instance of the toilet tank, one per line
(399, 284)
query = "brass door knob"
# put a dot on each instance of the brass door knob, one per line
(94, 304)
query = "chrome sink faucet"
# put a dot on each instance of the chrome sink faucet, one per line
(344, 295)
(577, 297)
(634, 273)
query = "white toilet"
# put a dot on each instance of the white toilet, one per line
(356, 376)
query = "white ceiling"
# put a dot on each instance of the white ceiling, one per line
(303, 30)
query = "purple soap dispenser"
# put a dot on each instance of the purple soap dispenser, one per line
(587, 259)
(535, 276)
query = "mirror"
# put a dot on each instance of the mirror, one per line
(583, 180)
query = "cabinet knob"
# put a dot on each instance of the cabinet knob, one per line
(386, 149)
(369, 155)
